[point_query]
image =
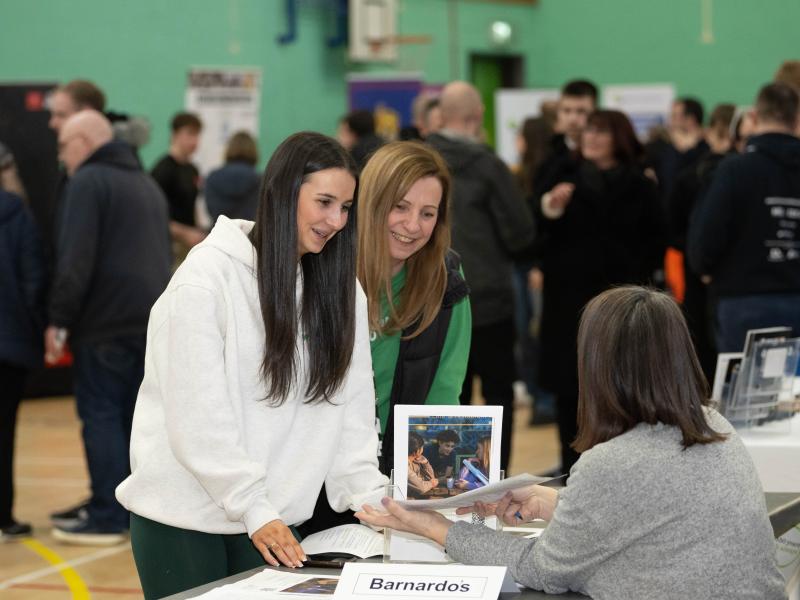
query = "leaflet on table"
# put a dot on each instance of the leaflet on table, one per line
(355, 540)
(270, 584)
(489, 493)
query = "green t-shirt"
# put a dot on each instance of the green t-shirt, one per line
(446, 387)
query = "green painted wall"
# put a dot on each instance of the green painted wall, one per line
(139, 50)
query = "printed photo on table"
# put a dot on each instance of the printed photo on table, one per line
(316, 585)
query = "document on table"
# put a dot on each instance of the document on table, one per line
(358, 540)
(270, 584)
(488, 493)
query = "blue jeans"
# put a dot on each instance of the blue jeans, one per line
(107, 379)
(738, 314)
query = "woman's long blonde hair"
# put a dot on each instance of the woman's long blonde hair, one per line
(385, 180)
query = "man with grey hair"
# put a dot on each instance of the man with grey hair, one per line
(112, 261)
(491, 222)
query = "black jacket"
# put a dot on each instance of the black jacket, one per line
(364, 148)
(611, 233)
(232, 190)
(745, 232)
(419, 356)
(561, 164)
(490, 223)
(22, 283)
(113, 254)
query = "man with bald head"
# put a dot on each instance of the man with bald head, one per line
(490, 223)
(113, 260)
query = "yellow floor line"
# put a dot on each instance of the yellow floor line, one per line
(76, 585)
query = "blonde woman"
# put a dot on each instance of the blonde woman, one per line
(419, 313)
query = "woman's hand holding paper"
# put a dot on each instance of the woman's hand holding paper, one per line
(518, 506)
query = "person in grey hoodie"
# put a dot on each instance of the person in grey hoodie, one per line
(232, 190)
(663, 503)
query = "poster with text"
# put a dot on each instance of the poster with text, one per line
(227, 100)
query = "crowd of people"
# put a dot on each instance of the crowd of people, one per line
(235, 384)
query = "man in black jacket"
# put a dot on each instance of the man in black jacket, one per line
(490, 223)
(578, 100)
(745, 235)
(112, 262)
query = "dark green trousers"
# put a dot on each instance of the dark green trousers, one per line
(170, 560)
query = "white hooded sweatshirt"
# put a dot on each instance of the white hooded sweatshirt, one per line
(207, 452)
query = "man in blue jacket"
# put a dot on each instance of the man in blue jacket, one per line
(745, 234)
(112, 261)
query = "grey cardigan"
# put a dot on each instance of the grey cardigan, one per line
(642, 518)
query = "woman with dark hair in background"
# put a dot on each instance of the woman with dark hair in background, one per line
(232, 190)
(234, 432)
(742, 128)
(601, 227)
(664, 502)
(534, 144)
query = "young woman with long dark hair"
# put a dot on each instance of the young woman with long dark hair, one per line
(258, 384)
(664, 502)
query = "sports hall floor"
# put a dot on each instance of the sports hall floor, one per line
(51, 475)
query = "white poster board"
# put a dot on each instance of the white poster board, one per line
(647, 105)
(227, 100)
(511, 108)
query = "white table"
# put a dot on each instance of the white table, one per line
(775, 448)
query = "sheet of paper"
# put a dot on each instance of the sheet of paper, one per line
(490, 493)
(358, 540)
(774, 362)
(266, 585)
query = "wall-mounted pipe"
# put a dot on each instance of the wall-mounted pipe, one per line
(291, 23)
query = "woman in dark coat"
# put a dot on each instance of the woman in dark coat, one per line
(22, 283)
(599, 226)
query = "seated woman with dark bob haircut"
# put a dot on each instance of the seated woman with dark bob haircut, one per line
(663, 503)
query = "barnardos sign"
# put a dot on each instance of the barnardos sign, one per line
(419, 581)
